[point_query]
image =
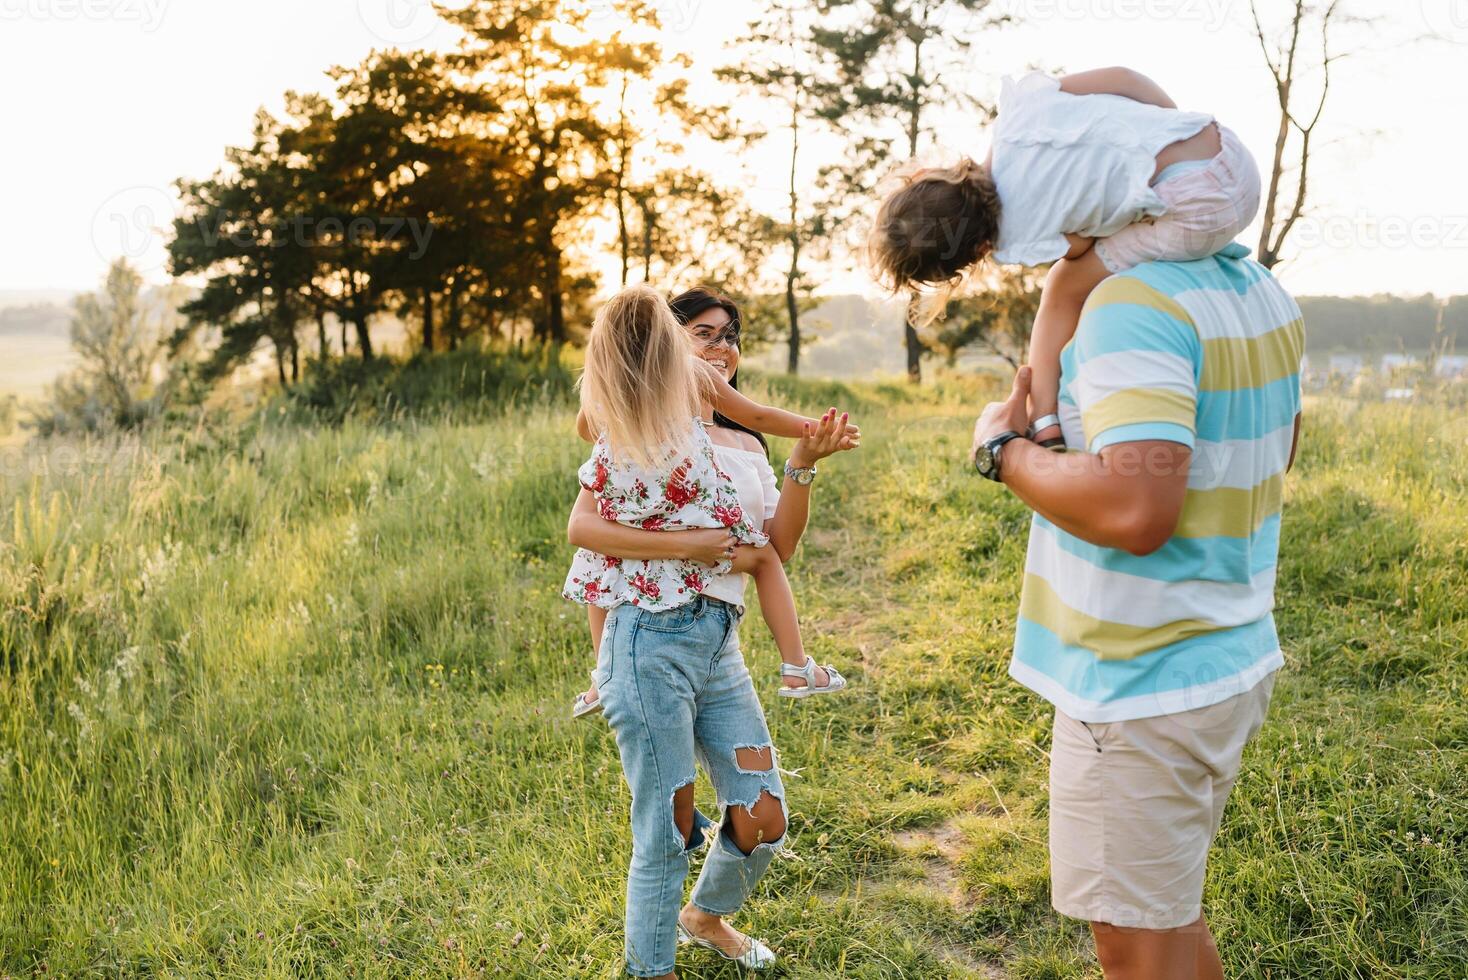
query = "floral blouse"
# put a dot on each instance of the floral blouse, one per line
(687, 493)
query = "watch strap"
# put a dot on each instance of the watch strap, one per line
(994, 444)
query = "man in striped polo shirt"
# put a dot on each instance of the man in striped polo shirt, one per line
(1146, 617)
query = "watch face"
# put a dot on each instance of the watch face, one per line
(984, 461)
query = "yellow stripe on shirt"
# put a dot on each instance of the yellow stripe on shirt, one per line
(1230, 363)
(1230, 512)
(1107, 640)
(1133, 405)
(1134, 292)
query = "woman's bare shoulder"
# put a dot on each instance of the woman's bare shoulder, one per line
(735, 439)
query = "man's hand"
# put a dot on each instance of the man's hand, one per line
(1010, 415)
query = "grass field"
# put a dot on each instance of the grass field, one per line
(292, 701)
(32, 362)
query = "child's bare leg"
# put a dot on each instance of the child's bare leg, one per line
(777, 605)
(1066, 287)
(596, 616)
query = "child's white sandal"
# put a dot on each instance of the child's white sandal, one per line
(834, 681)
(583, 707)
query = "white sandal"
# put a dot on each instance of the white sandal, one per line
(756, 955)
(834, 681)
(583, 707)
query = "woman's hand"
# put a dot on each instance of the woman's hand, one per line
(833, 433)
(707, 546)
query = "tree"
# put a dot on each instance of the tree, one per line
(1290, 66)
(435, 179)
(118, 337)
(781, 63)
(535, 62)
(997, 319)
(249, 231)
(899, 59)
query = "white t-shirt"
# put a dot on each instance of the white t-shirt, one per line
(754, 480)
(1077, 164)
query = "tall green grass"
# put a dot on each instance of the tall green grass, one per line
(292, 700)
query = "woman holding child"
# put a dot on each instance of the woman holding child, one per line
(670, 677)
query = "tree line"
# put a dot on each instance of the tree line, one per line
(463, 192)
(459, 190)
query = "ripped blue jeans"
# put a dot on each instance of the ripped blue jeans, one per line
(676, 692)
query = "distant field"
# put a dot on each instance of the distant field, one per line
(28, 364)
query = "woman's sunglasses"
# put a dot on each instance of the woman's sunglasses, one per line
(715, 336)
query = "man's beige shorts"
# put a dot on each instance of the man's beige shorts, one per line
(1134, 807)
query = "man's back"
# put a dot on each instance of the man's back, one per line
(1205, 354)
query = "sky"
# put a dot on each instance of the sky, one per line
(107, 102)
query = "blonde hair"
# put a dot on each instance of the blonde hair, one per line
(640, 389)
(931, 232)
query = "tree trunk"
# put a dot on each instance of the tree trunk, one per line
(295, 360)
(914, 344)
(1267, 258)
(792, 361)
(452, 325)
(621, 187)
(792, 277)
(364, 337)
(555, 323)
(279, 363)
(649, 241)
(428, 339)
(323, 347)
(911, 341)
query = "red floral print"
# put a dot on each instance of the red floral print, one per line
(678, 491)
(646, 586)
(728, 516)
(688, 491)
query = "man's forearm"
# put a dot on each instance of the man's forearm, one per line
(1115, 499)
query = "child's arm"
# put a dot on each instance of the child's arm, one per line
(583, 426)
(1117, 81)
(746, 411)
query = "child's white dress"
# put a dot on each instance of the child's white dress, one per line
(1084, 165)
(687, 492)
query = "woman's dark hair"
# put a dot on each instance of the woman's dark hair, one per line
(689, 304)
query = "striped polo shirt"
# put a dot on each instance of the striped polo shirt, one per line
(1206, 354)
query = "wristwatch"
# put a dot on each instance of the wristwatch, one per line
(987, 459)
(803, 475)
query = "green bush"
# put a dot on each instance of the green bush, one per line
(467, 385)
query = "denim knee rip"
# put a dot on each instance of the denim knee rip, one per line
(698, 833)
(764, 779)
